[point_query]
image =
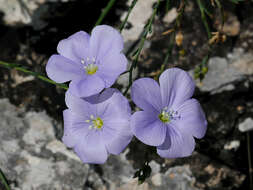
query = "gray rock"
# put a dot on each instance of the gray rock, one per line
(22, 12)
(220, 76)
(170, 16)
(176, 178)
(123, 80)
(137, 19)
(244, 63)
(155, 166)
(17, 11)
(246, 125)
(223, 72)
(232, 145)
(31, 156)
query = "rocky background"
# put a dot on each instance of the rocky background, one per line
(31, 153)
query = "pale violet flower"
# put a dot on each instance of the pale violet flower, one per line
(170, 118)
(91, 63)
(97, 126)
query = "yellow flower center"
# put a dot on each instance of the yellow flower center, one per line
(96, 123)
(91, 69)
(89, 65)
(164, 117)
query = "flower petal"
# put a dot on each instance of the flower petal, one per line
(74, 128)
(193, 120)
(145, 93)
(167, 142)
(176, 87)
(113, 64)
(91, 148)
(182, 144)
(87, 87)
(116, 140)
(75, 47)
(113, 106)
(104, 39)
(61, 69)
(147, 128)
(79, 106)
(114, 110)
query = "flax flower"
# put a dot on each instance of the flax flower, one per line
(91, 63)
(170, 118)
(97, 126)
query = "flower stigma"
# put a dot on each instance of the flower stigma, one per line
(164, 117)
(90, 66)
(167, 115)
(96, 123)
(91, 69)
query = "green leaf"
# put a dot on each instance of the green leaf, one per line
(143, 173)
(236, 1)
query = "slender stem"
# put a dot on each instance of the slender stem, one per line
(203, 17)
(128, 13)
(105, 11)
(168, 53)
(125, 72)
(2, 178)
(221, 12)
(172, 37)
(38, 75)
(147, 29)
(168, 5)
(249, 161)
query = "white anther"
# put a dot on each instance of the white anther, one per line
(82, 61)
(90, 127)
(91, 116)
(93, 60)
(87, 121)
(88, 59)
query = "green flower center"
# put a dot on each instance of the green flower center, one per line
(96, 123)
(167, 115)
(91, 69)
(89, 65)
(164, 117)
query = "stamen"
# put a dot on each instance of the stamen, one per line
(89, 65)
(167, 115)
(91, 69)
(96, 124)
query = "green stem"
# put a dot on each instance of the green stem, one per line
(172, 39)
(105, 11)
(249, 161)
(147, 29)
(168, 5)
(203, 17)
(128, 13)
(168, 53)
(221, 11)
(2, 178)
(38, 75)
